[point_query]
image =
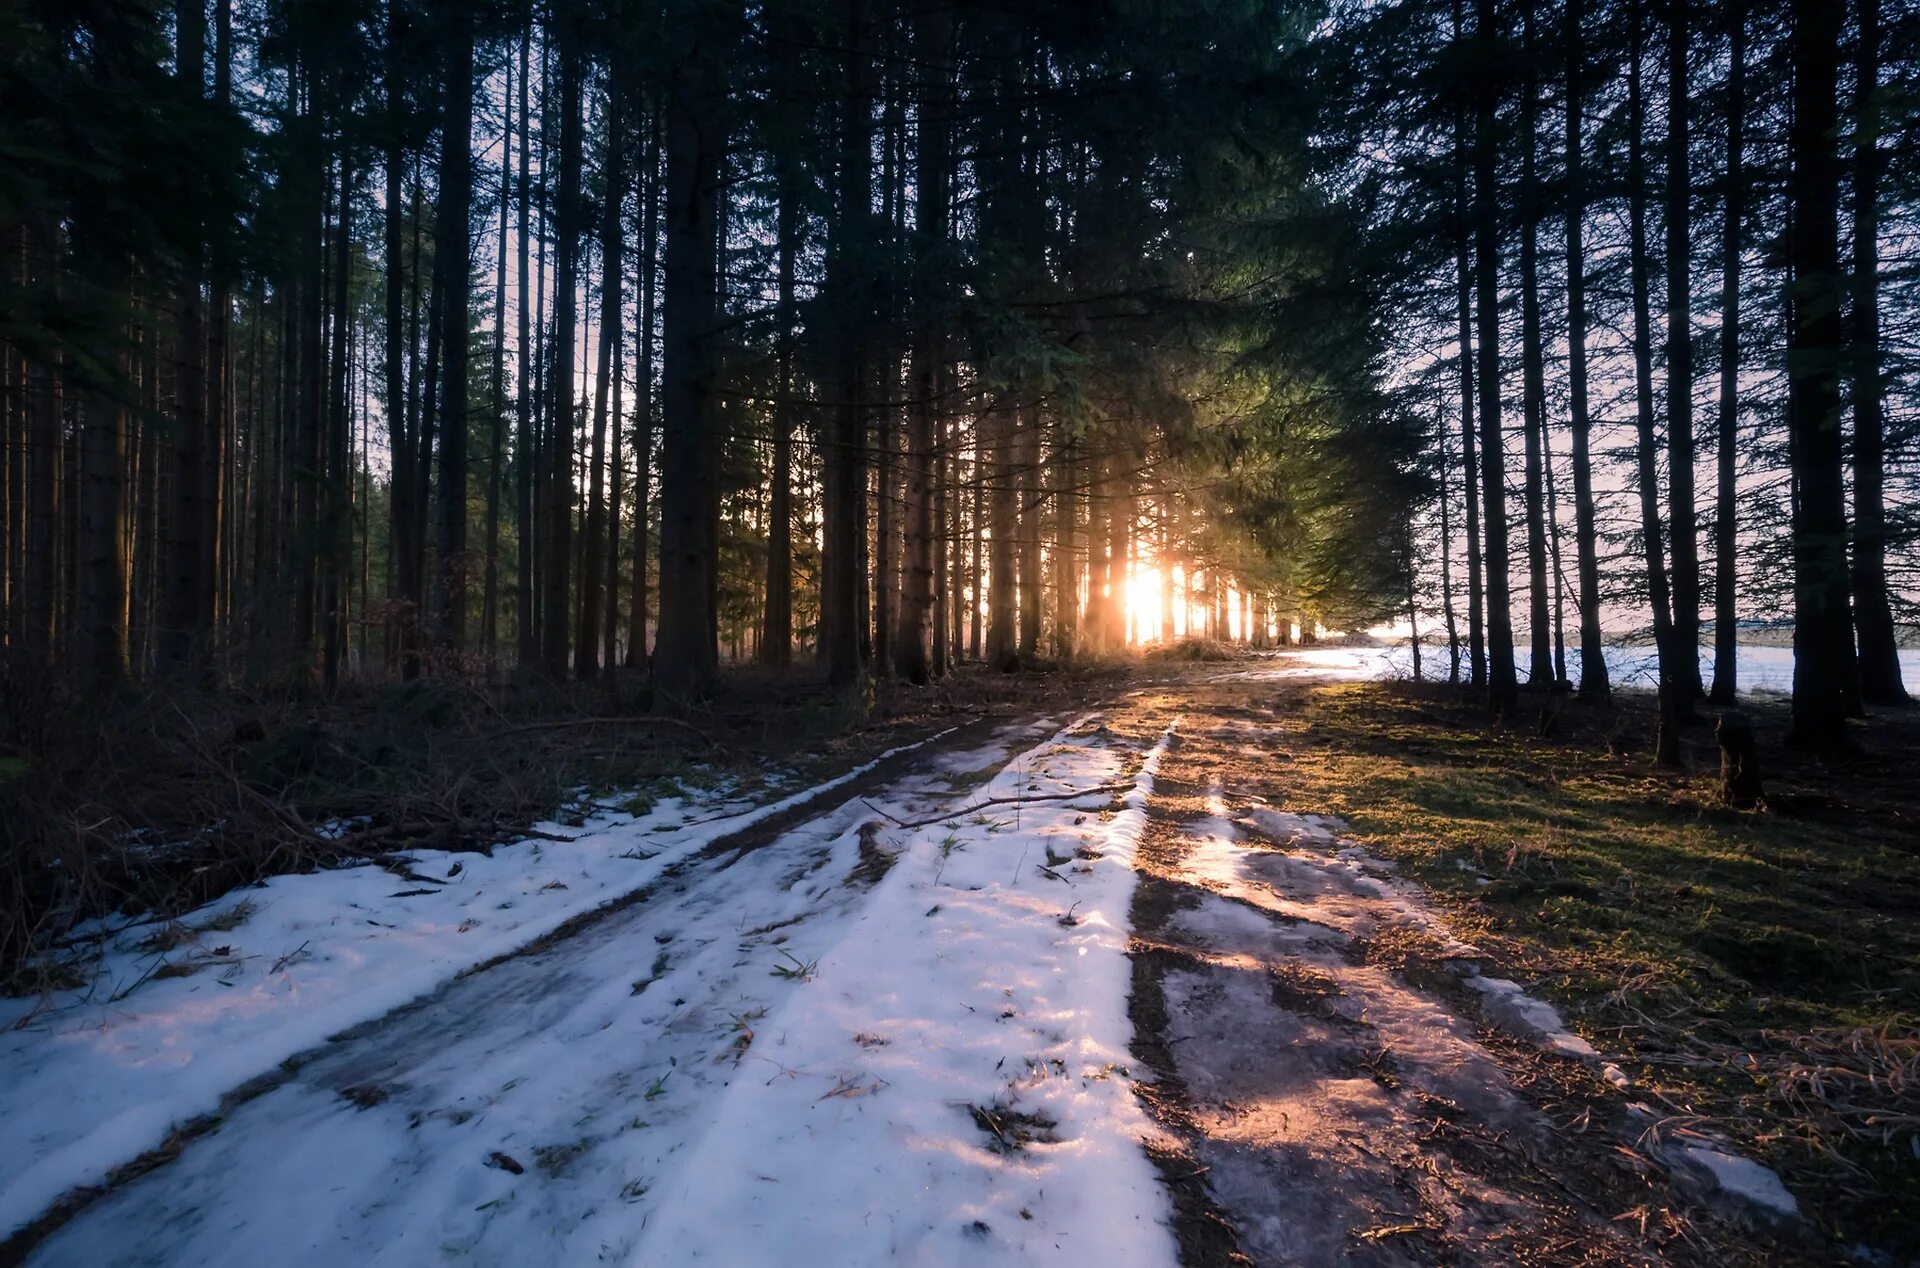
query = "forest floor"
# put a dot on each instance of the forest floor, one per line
(1201, 963)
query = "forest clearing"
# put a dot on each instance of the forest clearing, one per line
(838, 631)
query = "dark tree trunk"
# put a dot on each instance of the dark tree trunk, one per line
(1880, 681)
(452, 256)
(1502, 682)
(1004, 526)
(686, 655)
(1533, 394)
(1593, 666)
(525, 443)
(842, 615)
(1446, 559)
(102, 623)
(497, 429)
(556, 476)
(44, 408)
(1647, 449)
(1680, 444)
(644, 398)
(586, 661)
(1822, 642)
(914, 653)
(188, 555)
(337, 527)
(1726, 576)
(1066, 549)
(1469, 462)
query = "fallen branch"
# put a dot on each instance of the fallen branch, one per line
(1001, 801)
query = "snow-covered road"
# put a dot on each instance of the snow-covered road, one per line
(846, 1041)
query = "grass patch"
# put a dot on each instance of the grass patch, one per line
(1758, 968)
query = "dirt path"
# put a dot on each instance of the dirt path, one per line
(1335, 1086)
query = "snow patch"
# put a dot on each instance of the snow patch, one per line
(1513, 1009)
(1745, 1179)
(952, 1084)
(102, 1075)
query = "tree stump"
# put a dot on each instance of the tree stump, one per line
(1739, 763)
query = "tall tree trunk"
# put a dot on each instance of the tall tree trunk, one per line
(1446, 559)
(1647, 450)
(453, 260)
(216, 596)
(586, 661)
(1533, 372)
(1469, 460)
(686, 656)
(1726, 535)
(1880, 681)
(525, 440)
(1502, 682)
(1066, 547)
(913, 641)
(44, 476)
(1032, 513)
(556, 475)
(1594, 685)
(1002, 651)
(1821, 634)
(841, 610)
(497, 431)
(1680, 444)
(188, 556)
(776, 638)
(1119, 533)
(644, 396)
(102, 609)
(337, 525)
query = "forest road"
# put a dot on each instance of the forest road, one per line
(1054, 990)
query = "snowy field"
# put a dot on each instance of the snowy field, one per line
(1762, 670)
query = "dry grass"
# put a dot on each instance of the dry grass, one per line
(1758, 970)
